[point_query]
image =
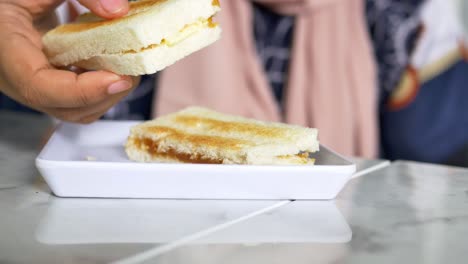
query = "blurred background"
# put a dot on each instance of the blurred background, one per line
(419, 51)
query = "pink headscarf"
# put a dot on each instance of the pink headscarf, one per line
(331, 82)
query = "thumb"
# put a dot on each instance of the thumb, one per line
(107, 8)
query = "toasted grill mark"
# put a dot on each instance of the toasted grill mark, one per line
(135, 8)
(152, 147)
(198, 140)
(228, 127)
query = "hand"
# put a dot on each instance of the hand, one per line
(27, 77)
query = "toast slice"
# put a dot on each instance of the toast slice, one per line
(153, 35)
(200, 135)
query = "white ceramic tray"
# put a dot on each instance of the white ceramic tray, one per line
(89, 161)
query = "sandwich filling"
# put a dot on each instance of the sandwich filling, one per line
(183, 34)
(152, 147)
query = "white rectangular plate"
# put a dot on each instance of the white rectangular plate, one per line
(90, 161)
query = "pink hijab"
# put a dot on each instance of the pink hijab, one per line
(331, 82)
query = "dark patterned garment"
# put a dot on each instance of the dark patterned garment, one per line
(394, 26)
(8, 104)
(273, 38)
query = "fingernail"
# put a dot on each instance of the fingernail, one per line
(119, 87)
(112, 6)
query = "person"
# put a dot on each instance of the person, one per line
(28, 78)
(302, 62)
(423, 75)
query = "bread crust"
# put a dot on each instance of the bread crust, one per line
(200, 135)
(94, 42)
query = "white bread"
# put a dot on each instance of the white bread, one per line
(199, 135)
(151, 60)
(94, 43)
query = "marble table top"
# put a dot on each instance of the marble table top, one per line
(404, 212)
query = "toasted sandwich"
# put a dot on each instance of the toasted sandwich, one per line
(199, 135)
(153, 35)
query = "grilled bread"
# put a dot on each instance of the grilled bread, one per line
(153, 35)
(199, 135)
